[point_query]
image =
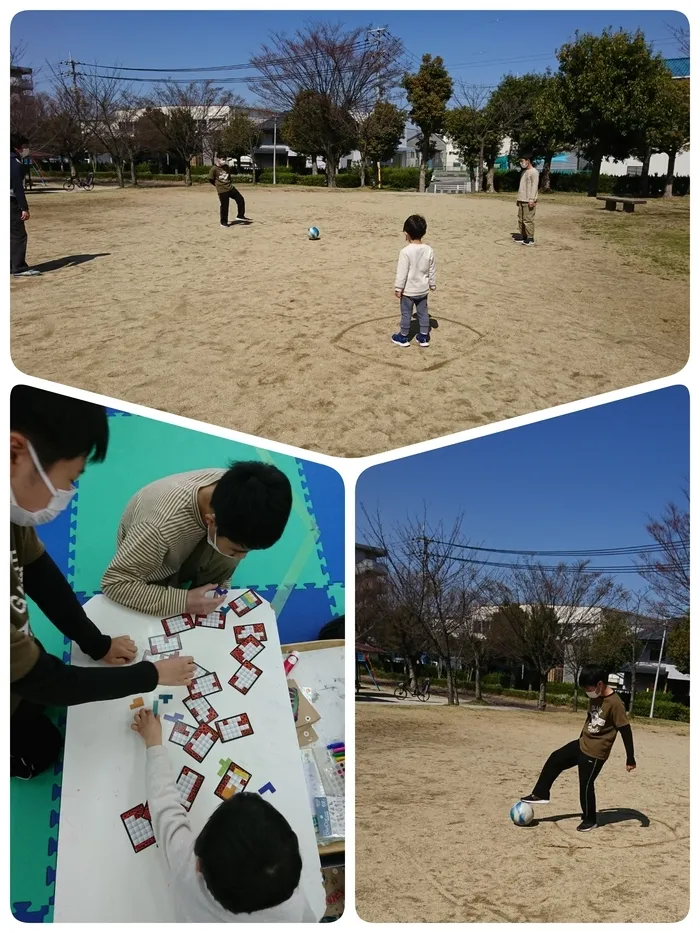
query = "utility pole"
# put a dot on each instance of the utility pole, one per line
(378, 34)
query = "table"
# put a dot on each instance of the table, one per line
(99, 878)
(321, 667)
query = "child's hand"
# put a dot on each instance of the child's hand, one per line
(433, 288)
(631, 767)
(148, 727)
(398, 293)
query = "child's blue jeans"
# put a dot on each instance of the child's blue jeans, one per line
(421, 306)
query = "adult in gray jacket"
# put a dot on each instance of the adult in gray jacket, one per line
(19, 209)
(527, 200)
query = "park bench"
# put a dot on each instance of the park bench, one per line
(628, 204)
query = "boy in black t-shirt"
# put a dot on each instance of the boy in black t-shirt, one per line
(606, 717)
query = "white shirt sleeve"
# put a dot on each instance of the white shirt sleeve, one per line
(171, 824)
(432, 280)
(401, 272)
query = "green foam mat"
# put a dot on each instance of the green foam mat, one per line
(141, 451)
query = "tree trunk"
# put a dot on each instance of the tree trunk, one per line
(188, 174)
(595, 175)
(71, 167)
(421, 173)
(542, 698)
(546, 181)
(120, 172)
(472, 178)
(668, 190)
(160, 166)
(331, 168)
(452, 697)
(314, 166)
(480, 168)
(489, 178)
(132, 169)
(644, 187)
(576, 694)
(477, 680)
(411, 673)
(362, 173)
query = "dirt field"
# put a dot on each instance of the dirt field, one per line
(435, 842)
(147, 298)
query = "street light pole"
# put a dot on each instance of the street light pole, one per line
(658, 669)
(274, 151)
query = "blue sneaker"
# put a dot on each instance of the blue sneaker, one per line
(423, 340)
(400, 340)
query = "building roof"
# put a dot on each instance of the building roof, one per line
(370, 551)
(679, 67)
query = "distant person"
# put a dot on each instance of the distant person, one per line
(52, 437)
(243, 867)
(606, 717)
(192, 530)
(415, 277)
(527, 200)
(19, 209)
(220, 177)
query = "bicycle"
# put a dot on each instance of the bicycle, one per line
(421, 692)
(86, 184)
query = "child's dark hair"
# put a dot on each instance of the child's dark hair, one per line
(415, 227)
(248, 855)
(590, 676)
(18, 140)
(251, 503)
(59, 427)
(333, 629)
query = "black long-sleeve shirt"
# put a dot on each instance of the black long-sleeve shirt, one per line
(49, 681)
(17, 181)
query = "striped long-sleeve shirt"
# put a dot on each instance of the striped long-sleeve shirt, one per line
(159, 530)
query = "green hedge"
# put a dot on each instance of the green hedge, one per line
(347, 180)
(400, 179)
(663, 708)
(312, 181)
(284, 177)
(621, 185)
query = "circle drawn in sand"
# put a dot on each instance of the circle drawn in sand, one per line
(371, 340)
(619, 829)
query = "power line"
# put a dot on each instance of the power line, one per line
(580, 552)
(623, 569)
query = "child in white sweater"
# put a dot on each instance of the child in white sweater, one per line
(245, 865)
(415, 277)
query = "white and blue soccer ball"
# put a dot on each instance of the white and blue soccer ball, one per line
(313, 233)
(521, 813)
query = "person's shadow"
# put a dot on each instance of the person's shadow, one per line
(605, 817)
(52, 265)
(414, 327)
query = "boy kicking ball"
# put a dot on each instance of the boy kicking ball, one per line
(415, 277)
(606, 717)
(244, 866)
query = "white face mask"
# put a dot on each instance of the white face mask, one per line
(60, 500)
(213, 543)
(24, 152)
(592, 694)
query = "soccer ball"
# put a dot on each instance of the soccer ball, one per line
(313, 233)
(521, 813)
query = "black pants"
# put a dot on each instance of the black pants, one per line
(35, 743)
(224, 199)
(18, 239)
(571, 756)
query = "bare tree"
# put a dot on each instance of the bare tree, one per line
(195, 112)
(349, 67)
(668, 574)
(682, 36)
(548, 609)
(69, 123)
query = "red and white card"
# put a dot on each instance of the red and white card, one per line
(176, 624)
(241, 632)
(201, 709)
(204, 686)
(138, 827)
(244, 678)
(202, 742)
(248, 649)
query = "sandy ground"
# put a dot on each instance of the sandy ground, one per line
(435, 842)
(147, 298)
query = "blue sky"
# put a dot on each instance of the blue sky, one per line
(579, 481)
(478, 47)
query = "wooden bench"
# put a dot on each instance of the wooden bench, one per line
(628, 204)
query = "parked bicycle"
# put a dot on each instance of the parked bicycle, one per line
(87, 183)
(422, 691)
